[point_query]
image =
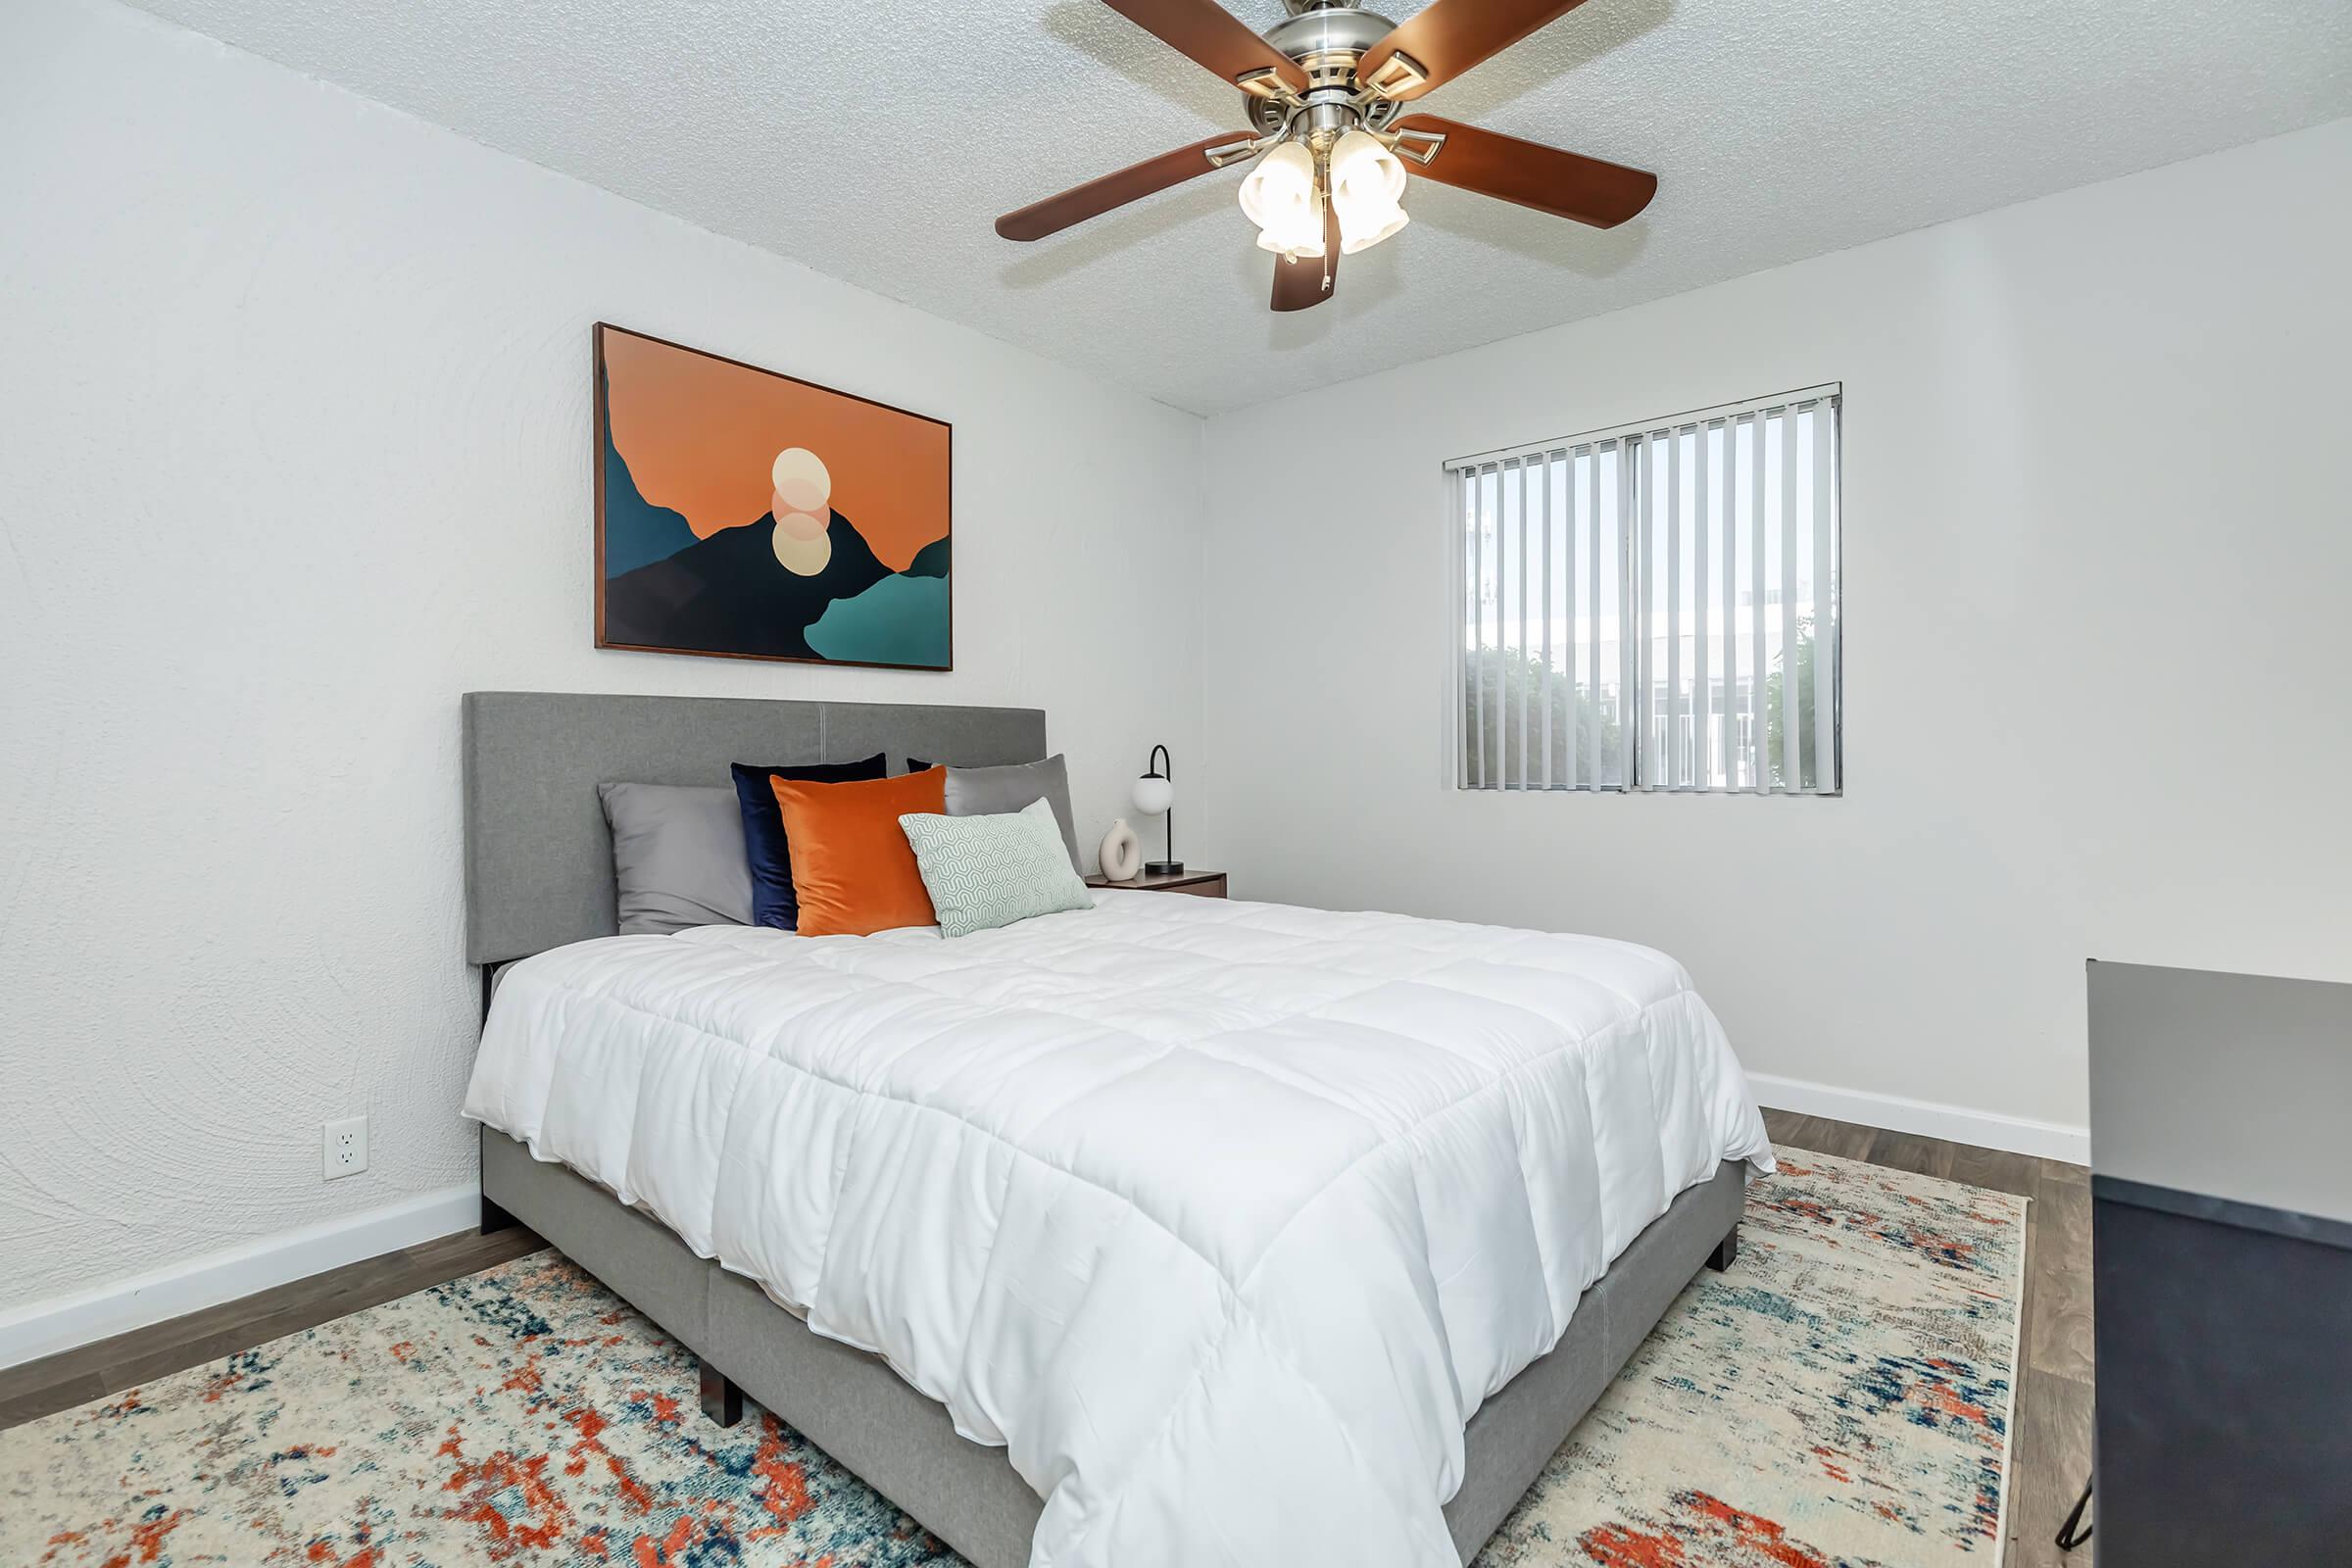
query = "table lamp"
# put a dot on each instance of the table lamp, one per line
(1155, 793)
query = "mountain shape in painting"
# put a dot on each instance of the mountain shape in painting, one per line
(903, 620)
(730, 592)
(637, 533)
(931, 561)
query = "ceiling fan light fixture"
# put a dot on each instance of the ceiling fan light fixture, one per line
(1367, 184)
(1325, 95)
(1293, 244)
(1281, 197)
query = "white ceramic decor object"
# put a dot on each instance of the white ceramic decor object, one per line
(1122, 852)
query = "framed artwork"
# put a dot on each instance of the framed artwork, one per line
(746, 514)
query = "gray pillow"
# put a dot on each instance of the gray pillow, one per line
(677, 857)
(988, 871)
(994, 791)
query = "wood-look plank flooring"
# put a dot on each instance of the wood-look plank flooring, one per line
(109, 1366)
(2049, 1460)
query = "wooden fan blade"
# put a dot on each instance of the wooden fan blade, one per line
(1098, 196)
(1449, 36)
(1301, 284)
(1206, 32)
(1565, 184)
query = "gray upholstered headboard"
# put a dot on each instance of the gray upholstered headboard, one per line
(538, 856)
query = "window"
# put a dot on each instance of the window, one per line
(1654, 607)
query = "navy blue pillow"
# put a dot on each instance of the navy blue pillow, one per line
(773, 903)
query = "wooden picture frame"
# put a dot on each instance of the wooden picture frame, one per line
(746, 513)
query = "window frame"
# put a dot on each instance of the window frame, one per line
(1640, 626)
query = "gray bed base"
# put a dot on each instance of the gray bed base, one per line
(539, 874)
(901, 1443)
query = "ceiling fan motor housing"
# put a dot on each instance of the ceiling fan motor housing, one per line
(1329, 30)
(1326, 40)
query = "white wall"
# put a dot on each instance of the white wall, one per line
(294, 449)
(2099, 574)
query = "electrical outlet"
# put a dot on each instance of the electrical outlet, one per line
(346, 1148)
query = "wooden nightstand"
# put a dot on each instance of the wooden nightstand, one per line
(1199, 884)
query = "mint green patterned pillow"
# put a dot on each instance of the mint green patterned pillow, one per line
(986, 872)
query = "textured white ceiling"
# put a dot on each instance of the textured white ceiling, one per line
(877, 142)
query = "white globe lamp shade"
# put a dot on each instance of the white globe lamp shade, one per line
(1367, 187)
(1280, 197)
(1153, 795)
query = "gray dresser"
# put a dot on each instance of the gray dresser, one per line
(2221, 1125)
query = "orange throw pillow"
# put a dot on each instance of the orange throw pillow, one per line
(852, 867)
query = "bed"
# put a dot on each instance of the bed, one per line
(1175, 1231)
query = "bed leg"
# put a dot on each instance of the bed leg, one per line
(1727, 1251)
(723, 1400)
(495, 1218)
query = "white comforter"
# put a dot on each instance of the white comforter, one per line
(1224, 1217)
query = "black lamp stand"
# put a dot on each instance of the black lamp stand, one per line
(1159, 766)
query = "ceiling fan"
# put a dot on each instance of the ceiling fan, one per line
(1326, 91)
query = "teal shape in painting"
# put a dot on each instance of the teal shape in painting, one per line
(637, 533)
(902, 620)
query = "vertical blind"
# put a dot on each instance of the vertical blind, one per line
(1654, 607)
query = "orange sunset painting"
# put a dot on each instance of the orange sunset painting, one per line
(746, 514)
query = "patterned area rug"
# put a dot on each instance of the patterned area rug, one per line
(1839, 1400)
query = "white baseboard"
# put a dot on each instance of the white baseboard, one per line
(44, 1328)
(2019, 1135)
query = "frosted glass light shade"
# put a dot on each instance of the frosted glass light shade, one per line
(1280, 197)
(1367, 187)
(1296, 244)
(1153, 795)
